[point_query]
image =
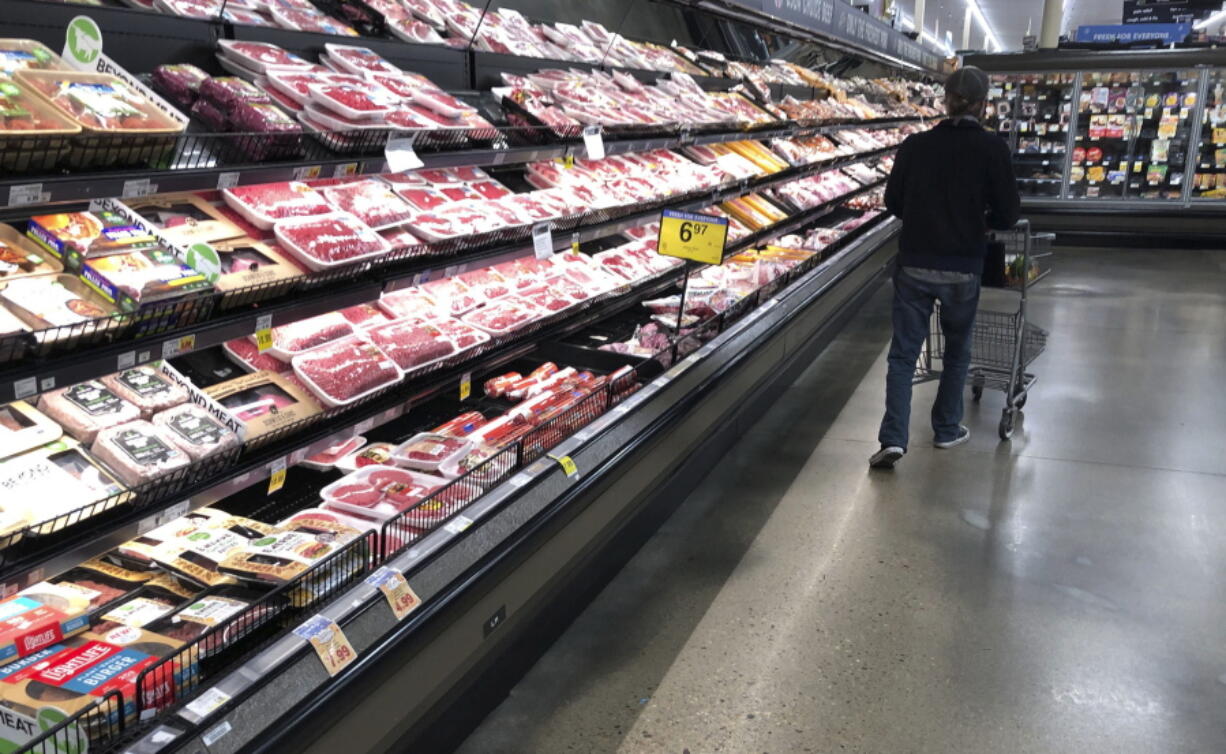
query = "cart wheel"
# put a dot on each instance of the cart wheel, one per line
(976, 392)
(1005, 430)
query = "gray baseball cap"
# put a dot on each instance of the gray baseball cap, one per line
(969, 83)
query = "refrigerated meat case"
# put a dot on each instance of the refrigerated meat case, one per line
(518, 529)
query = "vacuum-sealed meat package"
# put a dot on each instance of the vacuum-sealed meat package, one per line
(194, 431)
(138, 452)
(145, 388)
(86, 408)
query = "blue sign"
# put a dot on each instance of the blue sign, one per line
(1132, 33)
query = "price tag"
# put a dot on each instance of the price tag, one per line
(542, 240)
(567, 464)
(263, 340)
(308, 172)
(172, 348)
(687, 235)
(46, 384)
(345, 170)
(401, 156)
(400, 596)
(126, 361)
(139, 187)
(25, 388)
(458, 524)
(574, 242)
(593, 141)
(208, 702)
(466, 386)
(277, 479)
(216, 733)
(329, 642)
(28, 193)
(227, 180)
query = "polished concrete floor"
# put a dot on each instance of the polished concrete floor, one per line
(1065, 592)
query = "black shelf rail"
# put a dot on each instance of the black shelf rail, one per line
(36, 362)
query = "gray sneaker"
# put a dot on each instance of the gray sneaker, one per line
(886, 457)
(964, 435)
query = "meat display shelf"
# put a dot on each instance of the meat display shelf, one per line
(274, 699)
(25, 379)
(18, 191)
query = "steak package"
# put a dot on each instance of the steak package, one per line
(264, 402)
(379, 492)
(86, 408)
(194, 431)
(345, 370)
(138, 452)
(145, 388)
(325, 241)
(431, 452)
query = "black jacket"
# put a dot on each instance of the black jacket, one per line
(948, 186)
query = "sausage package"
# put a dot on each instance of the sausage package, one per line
(138, 452)
(87, 408)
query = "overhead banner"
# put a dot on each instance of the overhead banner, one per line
(837, 19)
(1134, 33)
(1168, 11)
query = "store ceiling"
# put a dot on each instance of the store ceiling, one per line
(1009, 18)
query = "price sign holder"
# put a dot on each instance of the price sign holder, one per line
(688, 235)
(400, 596)
(329, 642)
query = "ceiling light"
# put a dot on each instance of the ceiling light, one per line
(983, 21)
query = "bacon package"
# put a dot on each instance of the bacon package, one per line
(262, 205)
(346, 370)
(379, 492)
(325, 241)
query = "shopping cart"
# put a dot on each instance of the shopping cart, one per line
(1003, 344)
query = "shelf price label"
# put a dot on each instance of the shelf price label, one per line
(593, 141)
(276, 480)
(568, 465)
(687, 235)
(466, 386)
(401, 155)
(542, 240)
(400, 596)
(329, 642)
(263, 332)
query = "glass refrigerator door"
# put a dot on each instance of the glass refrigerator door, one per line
(1209, 177)
(1133, 134)
(1041, 113)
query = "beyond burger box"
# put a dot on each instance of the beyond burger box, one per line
(69, 676)
(38, 617)
(184, 219)
(246, 262)
(264, 402)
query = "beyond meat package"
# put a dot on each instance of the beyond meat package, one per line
(145, 388)
(195, 431)
(184, 219)
(246, 262)
(42, 485)
(138, 452)
(137, 278)
(86, 408)
(264, 402)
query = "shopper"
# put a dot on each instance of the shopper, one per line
(948, 186)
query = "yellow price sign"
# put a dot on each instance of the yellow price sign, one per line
(466, 386)
(263, 339)
(567, 464)
(277, 479)
(687, 235)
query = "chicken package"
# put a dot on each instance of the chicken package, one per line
(138, 452)
(86, 408)
(194, 431)
(412, 343)
(346, 370)
(145, 388)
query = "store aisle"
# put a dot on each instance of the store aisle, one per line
(1062, 593)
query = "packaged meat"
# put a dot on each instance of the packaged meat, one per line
(137, 554)
(309, 20)
(247, 355)
(211, 115)
(330, 119)
(216, 607)
(327, 460)
(409, 302)
(23, 427)
(292, 339)
(102, 583)
(262, 205)
(364, 315)
(373, 202)
(325, 523)
(179, 83)
(346, 370)
(461, 426)
(263, 57)
(19, 257)
(417, 32)
(86, 408)
(264, 402)
(420, 197)
(197, 556)
(496, 387)
(401, 240)
(379, 492)
(138, 278)
(430, 452)
(38, 617)
(503, 316)
(325, 241)
(158, 599)
(27, 54)
(40, 487)
(551, 300)
(227, 92)
(184, 219)
(462, 334)
(440, 102)
(46, 302)
(359, 60)
(138, 452)
(279, 557)
(74, 236)
(490, 189)
(266, 118)
(295, 85)
(353, 101)
(412, 344)
(451, 295)
(194, 431)
(99, 102)
(145, 388)
(486, 283)
(372, 454)
(246, 263)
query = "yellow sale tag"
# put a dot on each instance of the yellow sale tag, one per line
(329, 642)
(688, 235)
(400, 596)
(277, 479)
(567, 464)
(466, 386)
(263, 339)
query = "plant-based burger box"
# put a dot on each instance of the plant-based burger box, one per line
(132, 279)
(71, 237)
(38, 617)
(55, 480)
(184, 219)
(246, 262)
(264, 402)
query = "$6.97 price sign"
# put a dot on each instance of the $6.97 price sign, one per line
(688, 235)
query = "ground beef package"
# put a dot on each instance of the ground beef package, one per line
(138, 452)
(194, 431)
(86, 408)
(145, 388)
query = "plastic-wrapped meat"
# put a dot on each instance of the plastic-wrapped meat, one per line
(400, 239)
(179, 83)
(428, 452)
(247, 355)
(523, 273)
(263, 204)
(550, 300)
(266, 118)
(262, 56)
(296, 84)
(284, 101)
(345, 370)
(472, 216)
(411, 343)
(379, 492)
(462, 334)
(457, 192)
(486, 283)
(310, 20)
(567, 287)
(194, 431)
(490, 189)
(409, 302)
(503, 316)
(86, 408)
(398, 84)
(138, 452)
(428, 116)
(421, 197)
(359, 59)
(210, 115)
(296, 337)
(373, 202)
(435, 227)
(353, 101)
(451, 295)
(426, 11)
(364, 315)
(622, 264)
(145, 388)
(328, 239)
(496, 387)
(593, 281)
(416, 31)
(462, 425)
(229, 91)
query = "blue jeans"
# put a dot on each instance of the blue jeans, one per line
(913, 305)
